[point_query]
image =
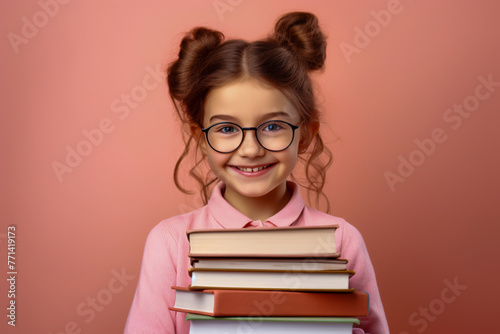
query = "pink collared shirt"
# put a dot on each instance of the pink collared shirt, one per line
(165, 261)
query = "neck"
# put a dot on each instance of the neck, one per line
(259, 208)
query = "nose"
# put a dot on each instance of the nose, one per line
(250, 146)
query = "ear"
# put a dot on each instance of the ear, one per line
(307, 134)
(199, 138)
(203, 146)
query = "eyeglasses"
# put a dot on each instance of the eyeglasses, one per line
(274, 136)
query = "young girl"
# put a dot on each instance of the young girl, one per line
(251, 114)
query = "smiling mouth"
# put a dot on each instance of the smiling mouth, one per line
(252, 169)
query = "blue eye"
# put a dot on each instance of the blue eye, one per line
(226, 129)
(273, 127)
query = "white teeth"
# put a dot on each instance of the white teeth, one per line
(248, 169)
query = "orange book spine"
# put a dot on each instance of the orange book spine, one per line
(282, 303)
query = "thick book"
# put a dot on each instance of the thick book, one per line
(270, 263)
(290, 241)
(228, 303)
(202, 324)
(248, 279)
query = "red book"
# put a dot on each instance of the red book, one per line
(270, 303)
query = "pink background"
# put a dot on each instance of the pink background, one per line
(77, 232)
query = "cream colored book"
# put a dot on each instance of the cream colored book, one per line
(269, 263)
(291, 241)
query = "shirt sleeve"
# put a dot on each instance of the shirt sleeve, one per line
(149, 312)
(354, 249)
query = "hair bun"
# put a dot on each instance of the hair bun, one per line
(194, 48)
(300, 32)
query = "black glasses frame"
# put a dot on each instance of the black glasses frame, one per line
(294, 127)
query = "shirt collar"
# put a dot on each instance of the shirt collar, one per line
(229, 217)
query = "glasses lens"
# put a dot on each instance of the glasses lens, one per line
(225, 137)
(275, 135)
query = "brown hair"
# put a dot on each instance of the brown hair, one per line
(283, 60)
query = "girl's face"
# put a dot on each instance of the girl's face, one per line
(248, 103)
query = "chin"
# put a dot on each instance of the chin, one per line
(250, 193)
(253, 190)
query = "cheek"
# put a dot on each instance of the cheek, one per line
(293, 150)
(211, 161)
(290, 157)
(294, 158)
(217, 162)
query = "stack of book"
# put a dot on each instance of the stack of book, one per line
(276, 280)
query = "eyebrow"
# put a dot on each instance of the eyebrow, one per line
(267, 116)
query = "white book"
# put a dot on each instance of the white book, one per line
(201, 324)
(270, 279)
